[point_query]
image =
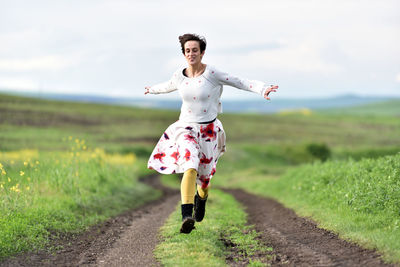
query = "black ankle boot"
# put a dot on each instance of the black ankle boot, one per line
(187, 219)
(199, 207)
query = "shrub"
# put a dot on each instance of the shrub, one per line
(319, 151)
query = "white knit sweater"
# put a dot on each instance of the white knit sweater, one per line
(201, 95)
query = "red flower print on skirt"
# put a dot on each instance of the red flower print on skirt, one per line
(204, 181)
(213, 171)
(208, 132)
(190, 138)
(205, 160)
(187, 155)
(175, 155)
(159, 156)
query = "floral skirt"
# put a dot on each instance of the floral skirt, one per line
(186, 146)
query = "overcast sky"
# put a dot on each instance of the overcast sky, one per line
(310, 48)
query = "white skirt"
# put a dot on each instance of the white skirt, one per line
(186, 146)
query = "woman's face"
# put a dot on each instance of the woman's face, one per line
(192, 52)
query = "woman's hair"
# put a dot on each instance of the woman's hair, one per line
(192, 37)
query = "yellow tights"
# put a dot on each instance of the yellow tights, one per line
(188, 188)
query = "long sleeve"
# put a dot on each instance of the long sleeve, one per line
(166, 87)
(254, 86)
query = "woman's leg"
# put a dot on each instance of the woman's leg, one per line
(200, 203)
(188, 186)
(188, 190)
(202, 192)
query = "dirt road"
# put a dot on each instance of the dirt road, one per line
(129, 239)
(298, 241)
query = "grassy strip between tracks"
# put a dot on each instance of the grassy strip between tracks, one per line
(45, 193)
(221, 235)
(360, 200)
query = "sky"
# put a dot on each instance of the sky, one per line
(310, 48)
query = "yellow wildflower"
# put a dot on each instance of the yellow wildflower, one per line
(1, 166)
(77, 140)
(69, 138)
(29, 179)
(3, 172)
(21, 173)
(9, 179)
(25, 163)
(28, 188)
(15, 188)
(1, 186)
(37, 162)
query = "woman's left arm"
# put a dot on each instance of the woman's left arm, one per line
(255, 86)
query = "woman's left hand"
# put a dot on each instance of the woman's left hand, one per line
(271, 88)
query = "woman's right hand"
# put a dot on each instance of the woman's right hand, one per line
(147, 90)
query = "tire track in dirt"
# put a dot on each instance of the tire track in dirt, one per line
(298, 241)
(125, 240)
(135, 246)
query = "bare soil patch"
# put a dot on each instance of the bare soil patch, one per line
(298, 241)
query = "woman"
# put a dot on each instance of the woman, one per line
(194, 143)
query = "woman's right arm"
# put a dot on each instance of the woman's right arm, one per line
(163, 88)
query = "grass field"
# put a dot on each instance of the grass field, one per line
(45, 193)
(78, 156)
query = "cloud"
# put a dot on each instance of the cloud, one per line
(303, 57)
(247, 47)
(48, 62)
(18, 83)
(103, 45)
(398, 77)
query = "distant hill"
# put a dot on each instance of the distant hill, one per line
(340, 104)
(389, 107)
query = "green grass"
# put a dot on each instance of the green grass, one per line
(47, 193)
(360, 200)
(204, 246)
(266, 154)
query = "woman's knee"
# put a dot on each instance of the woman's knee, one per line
(203, 192)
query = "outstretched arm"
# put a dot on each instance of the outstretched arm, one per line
(257, 87)
(163, 88)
